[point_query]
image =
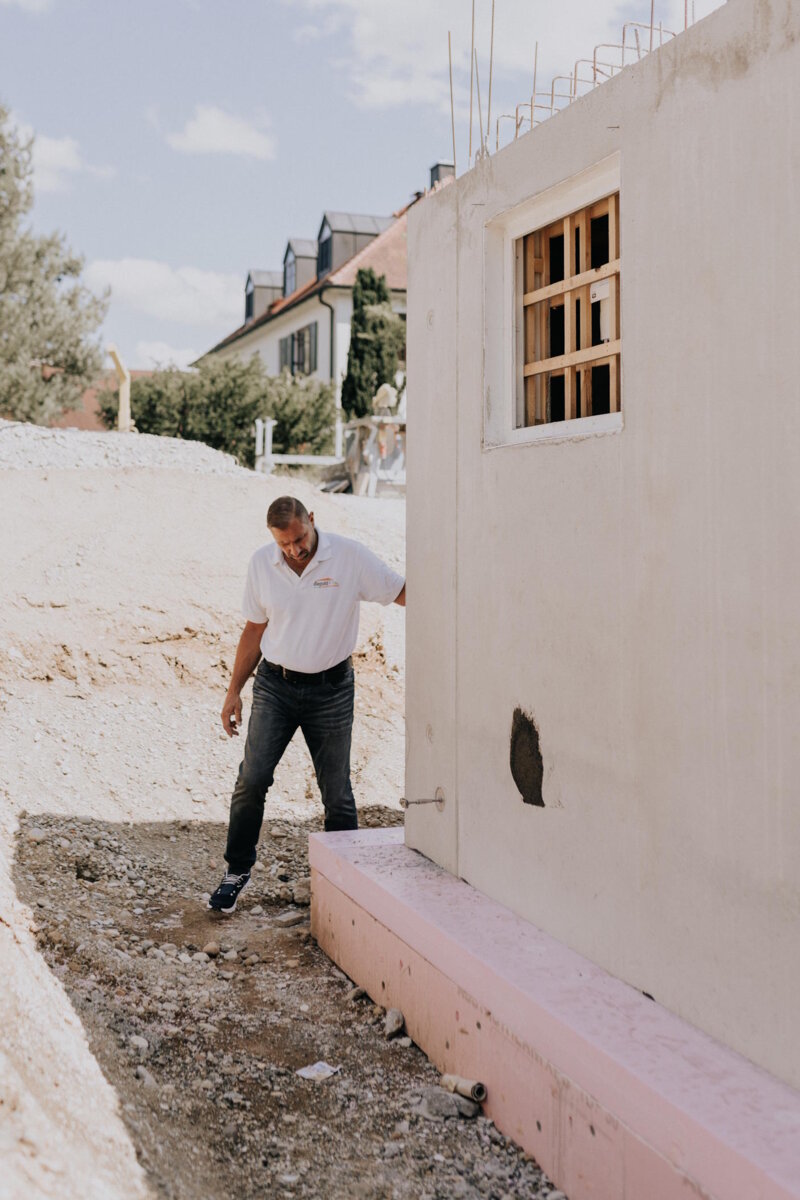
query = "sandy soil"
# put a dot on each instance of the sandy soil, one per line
(119, 618)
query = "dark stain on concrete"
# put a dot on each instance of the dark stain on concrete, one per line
(770, 33)
(526, 758)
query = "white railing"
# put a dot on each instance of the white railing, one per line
(266, 459)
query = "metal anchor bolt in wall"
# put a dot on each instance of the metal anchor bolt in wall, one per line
(437, 799)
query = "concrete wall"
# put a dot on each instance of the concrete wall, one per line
(636, 591)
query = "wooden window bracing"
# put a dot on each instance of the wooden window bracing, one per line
(570, 341)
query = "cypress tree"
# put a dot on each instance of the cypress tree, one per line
(376, 337)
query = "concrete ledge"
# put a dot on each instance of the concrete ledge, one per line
(617, 1098)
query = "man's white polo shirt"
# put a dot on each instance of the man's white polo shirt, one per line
(313, 618)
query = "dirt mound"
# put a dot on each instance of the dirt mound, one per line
(23, 446)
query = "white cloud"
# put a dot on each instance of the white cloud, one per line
(184, 294)
(58, 160)
(160, 354)
(54, 161)
(397, 53)
(211, 130)
(307, 33)
(31, 6)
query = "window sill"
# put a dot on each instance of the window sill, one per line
(561, 431)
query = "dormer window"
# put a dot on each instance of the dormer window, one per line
(325, 255)
(249, 300)
(289, 273)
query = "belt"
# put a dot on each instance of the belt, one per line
(332, 675)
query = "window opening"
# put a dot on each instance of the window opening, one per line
(290, 274)
(569, 308)
(325, 255)
(298, 351)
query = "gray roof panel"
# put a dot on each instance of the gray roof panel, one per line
(266, 278)
(302, 248)
(341, 222)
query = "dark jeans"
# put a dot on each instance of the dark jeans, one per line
(324, 712)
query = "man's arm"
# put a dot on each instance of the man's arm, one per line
(248, 653)
(401, 599)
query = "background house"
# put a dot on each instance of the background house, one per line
(306, 328)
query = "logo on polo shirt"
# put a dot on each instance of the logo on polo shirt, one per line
(326, 581)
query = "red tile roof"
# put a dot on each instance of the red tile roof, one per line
(386, 254)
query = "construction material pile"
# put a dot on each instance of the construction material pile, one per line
(23, 445)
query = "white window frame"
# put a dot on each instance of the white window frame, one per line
(502, 302)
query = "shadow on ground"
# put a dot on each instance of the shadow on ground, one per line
(200, 1022)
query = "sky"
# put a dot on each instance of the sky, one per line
(179, 143)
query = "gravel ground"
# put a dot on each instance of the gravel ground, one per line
(200, 1023)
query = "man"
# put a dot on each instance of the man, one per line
(301, 607)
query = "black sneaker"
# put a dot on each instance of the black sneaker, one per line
(228, 892)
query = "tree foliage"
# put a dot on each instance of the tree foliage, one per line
(304, 411)
(377, 334)
(48, 319)
(218, 404)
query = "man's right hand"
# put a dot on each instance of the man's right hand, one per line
(232, 714)
(248, 652)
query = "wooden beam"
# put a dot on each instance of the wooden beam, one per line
(599, 209)
(530, 401)
(591, 354)
(569, 247)
(569, 394)
(529, 351)
(613, 327)
(570, 285)
(586, 392)
(533, 263)
(586, 316)
(583, 243)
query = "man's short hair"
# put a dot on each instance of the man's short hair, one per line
(284, 510)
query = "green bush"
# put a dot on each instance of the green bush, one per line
(304, 411)
(218, 404)
(159, 403)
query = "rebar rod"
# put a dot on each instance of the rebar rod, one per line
(452, 106)
(491, 69)
(478, 90)
(471, 73)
